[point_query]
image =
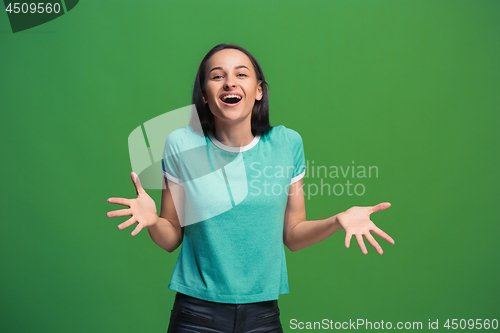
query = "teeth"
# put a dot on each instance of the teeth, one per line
(231, 96)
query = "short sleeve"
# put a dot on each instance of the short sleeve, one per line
(170, 161)
(299, 160)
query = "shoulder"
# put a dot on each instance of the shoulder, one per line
(285, 133)
(184, 138)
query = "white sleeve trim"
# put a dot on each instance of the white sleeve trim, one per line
(298, 177)
(172, 178)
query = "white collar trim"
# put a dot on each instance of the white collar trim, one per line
(234, 149)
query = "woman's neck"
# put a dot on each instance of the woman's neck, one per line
(234, 135)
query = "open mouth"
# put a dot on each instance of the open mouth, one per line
(230, 99)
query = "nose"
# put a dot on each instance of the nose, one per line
(229, 84)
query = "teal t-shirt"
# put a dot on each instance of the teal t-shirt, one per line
(234, 207)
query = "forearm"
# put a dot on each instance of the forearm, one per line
(307, 233)
(165, 235)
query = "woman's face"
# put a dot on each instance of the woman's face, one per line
(231, 86)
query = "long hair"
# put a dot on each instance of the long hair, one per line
(260, 112)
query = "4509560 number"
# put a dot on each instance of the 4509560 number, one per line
(32, 8)
(471, 324)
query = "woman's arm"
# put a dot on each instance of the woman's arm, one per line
(299, 233)
(165, 230)
(168, 233)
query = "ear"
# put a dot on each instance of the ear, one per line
(204, 99)
(258, 97)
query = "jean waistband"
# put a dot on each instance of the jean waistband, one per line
(181, 296)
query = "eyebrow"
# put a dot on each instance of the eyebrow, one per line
(216, 68)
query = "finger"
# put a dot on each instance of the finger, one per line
(347, 240)
(377, 231)
(361, 244)
(379, 207)
(136, 230)
(127, 223)
(120, 201)
(137, 183)
(373, 243)
(120, 212)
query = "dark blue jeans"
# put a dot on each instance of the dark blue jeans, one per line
(192, 315)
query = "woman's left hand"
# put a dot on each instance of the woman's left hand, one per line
(356, 221)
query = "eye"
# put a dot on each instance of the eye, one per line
(242, 74)
(216, 77)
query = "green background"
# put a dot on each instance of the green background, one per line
(411, 87)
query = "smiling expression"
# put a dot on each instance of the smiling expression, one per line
(231, 85)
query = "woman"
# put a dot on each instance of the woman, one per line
(236, 182)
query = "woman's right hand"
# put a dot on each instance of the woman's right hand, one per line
(142, 209)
